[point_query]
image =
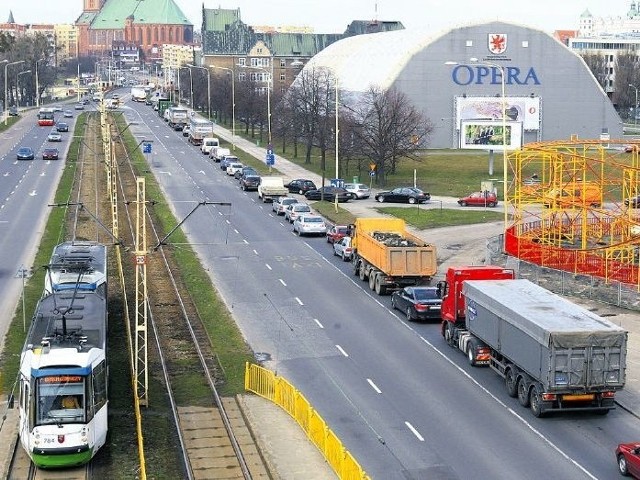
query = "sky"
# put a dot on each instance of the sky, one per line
(333, 16)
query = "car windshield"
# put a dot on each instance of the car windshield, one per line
(289, 201)
(342, 230)
(425, 293)
(302, 208)
(312, 219)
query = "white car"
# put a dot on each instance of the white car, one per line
(360, 190)
(54, 137)
(281, 204)
(342, 248)
(232, 168)
(186, 130)
(309, 224)
(294, 210)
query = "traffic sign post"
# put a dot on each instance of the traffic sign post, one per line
(270, 158)
(146, 148)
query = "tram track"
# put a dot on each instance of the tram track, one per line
(213, 436)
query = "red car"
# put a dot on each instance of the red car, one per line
(50, 154)
(628, 456)
(479, 199)
(336, 233)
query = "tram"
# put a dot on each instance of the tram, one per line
(78, 265)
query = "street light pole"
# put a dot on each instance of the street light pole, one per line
(635, 106)
(38, 84)
(505, 165)
(208, 89)
(335, 80)
(269, 80)
(6, 89)
(18, 87)
(233, 104)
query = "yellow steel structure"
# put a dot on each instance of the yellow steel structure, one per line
(571, 195)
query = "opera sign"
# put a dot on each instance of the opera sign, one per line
(481, 75)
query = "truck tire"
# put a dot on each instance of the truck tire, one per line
(372, 281)
(535, 402)
(523, 392)
(447, 333)
(379, 288)
(471, 352)
(361, 272)
(511, 382)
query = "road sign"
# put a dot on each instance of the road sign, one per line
(146, 148)
(271, 159)
(372, 173)
(372, 166)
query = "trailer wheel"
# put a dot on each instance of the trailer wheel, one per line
(361, 272)
(380, 289)
(622, 465)
(511, 382)
(536, 403)
(372, 281)
(523, 392)
(471, 352)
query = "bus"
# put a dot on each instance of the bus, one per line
(46, 117)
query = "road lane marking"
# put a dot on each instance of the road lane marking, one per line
(342, 351)
(318, 322)
(282, 282)
(414, 431)
(300, 302)
(268, 266)
(374, 386)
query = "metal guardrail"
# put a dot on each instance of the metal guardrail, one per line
(268, 385)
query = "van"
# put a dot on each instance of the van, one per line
(217, 153)
(208, 143)
(577, 194)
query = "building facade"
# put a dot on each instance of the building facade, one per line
(66, 38)
(148, 25)
(465, 96)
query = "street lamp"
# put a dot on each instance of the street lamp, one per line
(635, 109)
(335, 81)
(500, 68)
(38, 84)
(18, 87)
(6, 89)
(208, 89)
(233, 103)
(268, 74)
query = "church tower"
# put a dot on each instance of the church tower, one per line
(93, 5)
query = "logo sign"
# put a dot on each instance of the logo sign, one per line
(60, 438)
(497, 43)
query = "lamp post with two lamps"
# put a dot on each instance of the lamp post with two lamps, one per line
(6, 89)
(208, 88)
(635, 106)
(500, 69)
(233, 103)
(18, 87)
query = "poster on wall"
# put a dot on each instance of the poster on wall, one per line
(487, 135)
(525, 110)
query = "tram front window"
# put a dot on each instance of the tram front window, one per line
(60, 401)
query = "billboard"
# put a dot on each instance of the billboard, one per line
(488, 135)
(525, 110)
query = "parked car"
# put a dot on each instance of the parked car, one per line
(294, 210)
(479, 199)
(62, 127)
(329, 194)
(281, 203)
(50, 154)
(25, 153)
(54, 137)
(301, 186)
(633, 202)
(360, 190)
(57, 108)
(309, 224)
(67, 114)
(336, 232)
(342, 248)
(244, 172)
(13, 111)
(227, 160)
(632, 147)
(628, 457)
(418, 303)
(233, 167)
(186, 130)
(403, 195)
(249, 182)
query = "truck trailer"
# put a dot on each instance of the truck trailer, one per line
(177, 117)
(389, 256)
(553, 355)
(139, 93)
(199, 129)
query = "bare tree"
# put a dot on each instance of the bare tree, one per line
(390, 128)
(627, 75)
(598, 66)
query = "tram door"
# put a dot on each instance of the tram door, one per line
(25, 407)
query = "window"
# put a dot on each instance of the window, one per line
(242, 61)
(242, 76)
(283, 62)
(283, 77)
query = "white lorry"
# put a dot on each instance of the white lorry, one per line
(199, 129)
(208, 143)
(177, 117)
(271, 188)
(138, 93)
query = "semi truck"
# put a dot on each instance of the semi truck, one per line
(178, 117)
(163, 104)
(199, 129)
(553, 355)
(271, 188)
(389, 256)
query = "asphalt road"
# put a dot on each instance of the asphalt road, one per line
(404, 403)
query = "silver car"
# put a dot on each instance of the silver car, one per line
(360, 190)
(309, 224)
(281, 204)
(294, 210)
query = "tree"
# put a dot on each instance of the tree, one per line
(598, 66)
(389, 128)
(627, 75)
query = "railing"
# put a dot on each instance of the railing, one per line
(267, 384)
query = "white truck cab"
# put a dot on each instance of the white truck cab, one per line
(208, 143)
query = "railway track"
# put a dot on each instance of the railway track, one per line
(214, 440)
(21, 468)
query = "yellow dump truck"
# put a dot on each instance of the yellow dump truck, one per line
(390, 257)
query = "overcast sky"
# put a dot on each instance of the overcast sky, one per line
(332, 16)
